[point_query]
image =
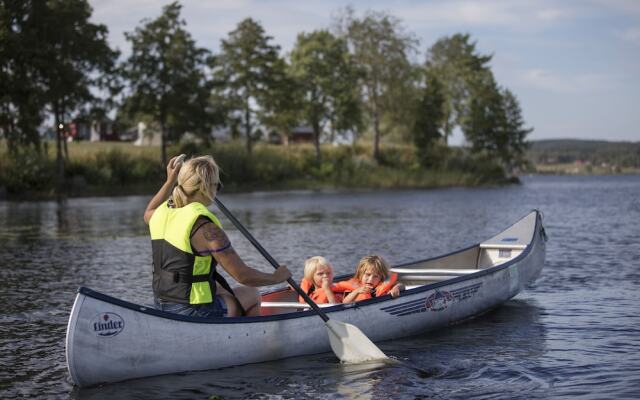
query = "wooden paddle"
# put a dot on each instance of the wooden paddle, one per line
(347, 341)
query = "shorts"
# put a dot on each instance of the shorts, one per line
(217, 308)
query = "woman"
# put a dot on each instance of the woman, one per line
(188, 241)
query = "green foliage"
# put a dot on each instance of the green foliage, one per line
(380, 51)
(482, 167)
(166, 77)
(327, 78)
(125, 170)
(51, 56)
(494, 125)
(247, 73)
(113, 168)
(266, 165)
(457, 65)
(27, 171)
(427, 123)
(360, 79)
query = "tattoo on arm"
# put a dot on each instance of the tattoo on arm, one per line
(217, 240)
(214, 234)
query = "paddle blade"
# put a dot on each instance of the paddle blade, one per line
(351, 345)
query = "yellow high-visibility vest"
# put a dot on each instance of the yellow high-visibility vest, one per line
(179, 275)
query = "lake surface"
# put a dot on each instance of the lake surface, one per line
(575, 334)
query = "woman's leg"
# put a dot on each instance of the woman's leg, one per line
(249, 298)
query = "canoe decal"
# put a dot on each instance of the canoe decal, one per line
(107, 324)
(437, 301)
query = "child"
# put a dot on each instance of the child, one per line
(318, 281)
(368, 281)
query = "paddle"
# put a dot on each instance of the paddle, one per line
(347, 341)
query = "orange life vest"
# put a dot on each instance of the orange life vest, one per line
(317, 294)
(352, 284)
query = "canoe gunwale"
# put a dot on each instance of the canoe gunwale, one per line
(338, 307)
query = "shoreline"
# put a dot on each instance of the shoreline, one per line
(149, 190)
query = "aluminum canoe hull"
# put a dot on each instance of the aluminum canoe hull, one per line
(110, 340)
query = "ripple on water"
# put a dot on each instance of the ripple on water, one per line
(576, 333)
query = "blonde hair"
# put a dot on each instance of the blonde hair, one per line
(376, 262)
(200, 174)
(312, 264)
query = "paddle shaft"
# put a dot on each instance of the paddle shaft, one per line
(271, 260)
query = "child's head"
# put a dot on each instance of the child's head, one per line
(372, 270)
(316, 268)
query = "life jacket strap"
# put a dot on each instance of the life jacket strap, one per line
(177, 277)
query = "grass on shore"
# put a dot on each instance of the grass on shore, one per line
(117, 168)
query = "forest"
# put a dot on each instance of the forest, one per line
(359, 78)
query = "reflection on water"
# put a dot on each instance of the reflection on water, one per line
(575, 333)
(452, 357)
(72, 218)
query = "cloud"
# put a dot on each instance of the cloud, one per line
(631, 35)
(551, 14)
(575, 84)
(514, 14)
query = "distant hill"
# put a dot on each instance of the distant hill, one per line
(597, 153)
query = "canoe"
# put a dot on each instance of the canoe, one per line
(110, 340)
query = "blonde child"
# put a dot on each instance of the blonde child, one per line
(318, 281)
(369, 281)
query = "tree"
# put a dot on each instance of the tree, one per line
(457, 64)
(380, 50)
(428, 120)
(282, 111)
(52, 56)
(515, 131)
(322, 66)
(494, 124)
(166, 74)
(21, 99)
(247, 73)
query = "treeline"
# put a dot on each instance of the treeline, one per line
(357, 77)
(594, 152)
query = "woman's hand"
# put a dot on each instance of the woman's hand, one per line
(173, 167)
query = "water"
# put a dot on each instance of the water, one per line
(575, 334)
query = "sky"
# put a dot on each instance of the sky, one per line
(574, 65)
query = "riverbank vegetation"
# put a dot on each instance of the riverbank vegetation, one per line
(121, 168)
(357, 82)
